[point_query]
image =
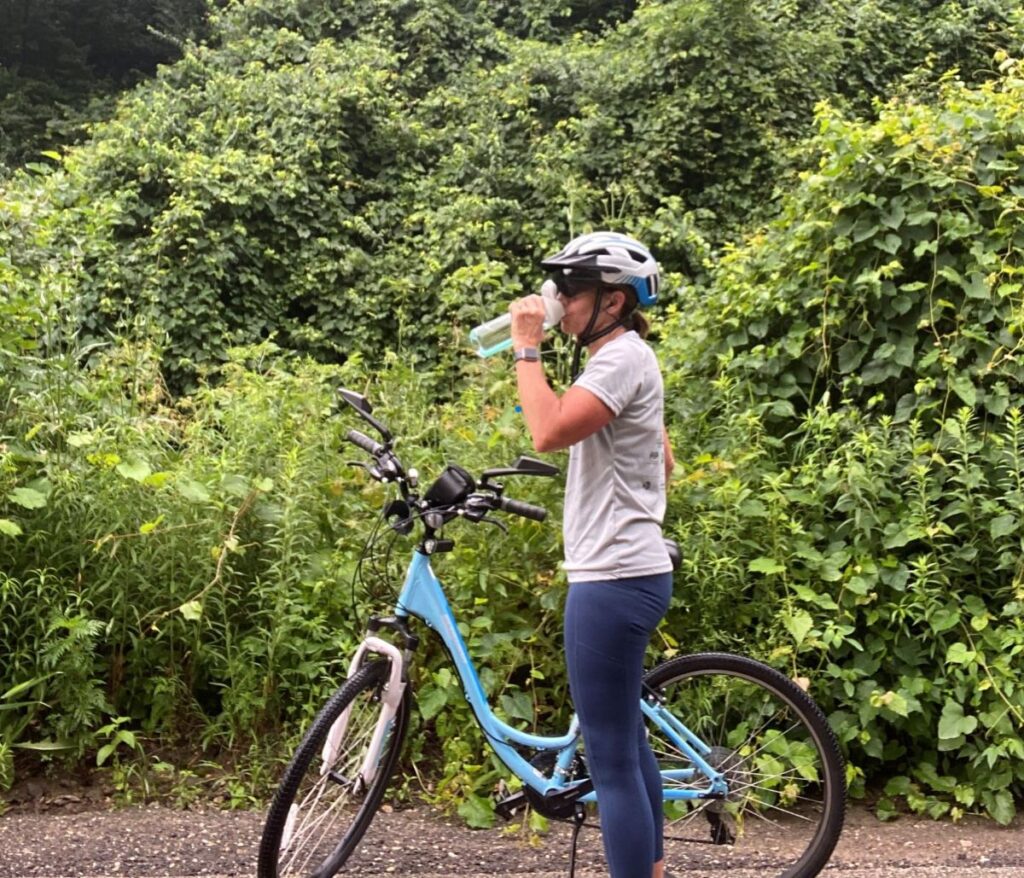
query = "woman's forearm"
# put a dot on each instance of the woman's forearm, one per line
(541, 405)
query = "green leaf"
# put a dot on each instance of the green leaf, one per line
(158, 479)
(901, 785)
(765, 565)
(905, 535)
(191, 610)
(886, 809)
(895, 702)
(29, 498)
(45, 746)
(964, 388)
(851, 355)
(976, 287)
(1000, 806)
(193, 491)
(10, 528)
(953, 723)
(477, 811)
(431, 702)
(959, 654)
(890, 243)
(151, 526)
(18, 688)
(1003, 525)
(893, 217)
(944, 618)
(136, 470)
(236, 485)
(798, 624)
(518, 704)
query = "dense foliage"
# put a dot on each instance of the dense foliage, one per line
(857, 472)
(361, 175)
(62, 60)
(361, 182)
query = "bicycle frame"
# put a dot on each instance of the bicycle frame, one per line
(423, 597)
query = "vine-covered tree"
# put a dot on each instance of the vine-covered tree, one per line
(58, 55)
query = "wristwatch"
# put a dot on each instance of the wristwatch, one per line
(531, 355)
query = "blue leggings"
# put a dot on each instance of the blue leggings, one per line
(607, 627)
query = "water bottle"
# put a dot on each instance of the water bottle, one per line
(495, 335)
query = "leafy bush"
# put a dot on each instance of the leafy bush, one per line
(856, 474)
(362, 182)
(351, 177)
(195, 561)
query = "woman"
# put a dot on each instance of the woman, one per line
(620, 575)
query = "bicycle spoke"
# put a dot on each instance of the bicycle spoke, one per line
(323, 819)
(777, 757)
(325, 808)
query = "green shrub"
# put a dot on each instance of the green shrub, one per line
(195, 561)
(352, 177)
(855, 476)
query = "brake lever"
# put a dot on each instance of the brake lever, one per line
(498, 524)
(372, 469)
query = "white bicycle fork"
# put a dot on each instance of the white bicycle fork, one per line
(391, 698)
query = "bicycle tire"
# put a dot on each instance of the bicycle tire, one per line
(316, 797)
(786, 804)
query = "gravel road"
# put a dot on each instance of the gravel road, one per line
(156, 842)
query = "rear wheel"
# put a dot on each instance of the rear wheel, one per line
(781, 810)
(328, 796)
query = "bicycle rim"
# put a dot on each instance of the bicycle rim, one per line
(783, 812)
(321, 811)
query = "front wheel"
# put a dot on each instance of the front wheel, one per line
(331, 789)
(781, 796)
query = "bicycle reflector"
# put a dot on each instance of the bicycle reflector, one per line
(453, 486)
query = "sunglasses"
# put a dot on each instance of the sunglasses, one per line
(573, 286)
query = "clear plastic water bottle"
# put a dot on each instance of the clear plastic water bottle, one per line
(495, 335)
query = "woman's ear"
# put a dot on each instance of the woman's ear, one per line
(617, 305)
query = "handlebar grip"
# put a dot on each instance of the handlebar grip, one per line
(526, 510)
(365, 442)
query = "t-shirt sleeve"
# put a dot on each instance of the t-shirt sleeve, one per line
(611, 377)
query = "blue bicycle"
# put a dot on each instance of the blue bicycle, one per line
(752, 772)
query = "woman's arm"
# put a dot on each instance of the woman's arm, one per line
(554, 421)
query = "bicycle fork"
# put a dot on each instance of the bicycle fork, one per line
(391, 697)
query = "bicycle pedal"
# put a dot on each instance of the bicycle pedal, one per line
(506, 808)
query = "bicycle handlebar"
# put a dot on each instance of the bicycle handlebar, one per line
(455, 497)
(368, 445)
(526, 510)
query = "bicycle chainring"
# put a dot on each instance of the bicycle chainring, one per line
(558, 807)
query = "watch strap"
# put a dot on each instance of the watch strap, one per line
(531, 355)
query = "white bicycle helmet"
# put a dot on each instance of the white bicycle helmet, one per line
(610, 258)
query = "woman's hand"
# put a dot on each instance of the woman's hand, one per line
(527, 322)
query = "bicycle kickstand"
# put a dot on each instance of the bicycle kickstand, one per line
(579, 815)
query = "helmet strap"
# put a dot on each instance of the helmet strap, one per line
(588, 336)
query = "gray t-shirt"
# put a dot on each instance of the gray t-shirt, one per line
(615, 488)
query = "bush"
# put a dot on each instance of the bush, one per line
(195, 560)
(351, 177)
(856, 474)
